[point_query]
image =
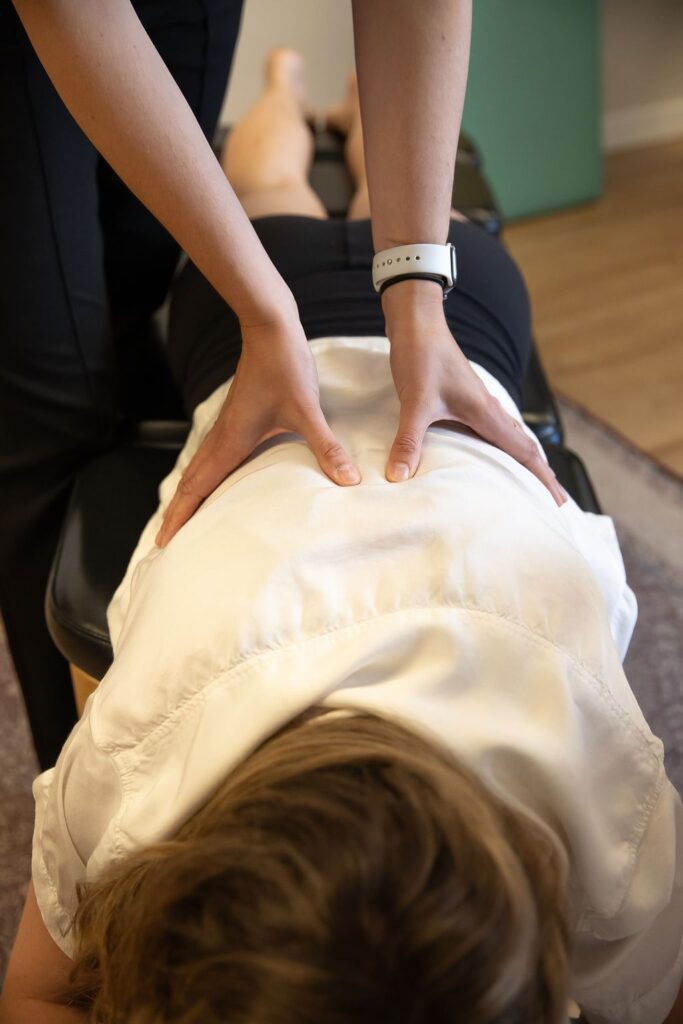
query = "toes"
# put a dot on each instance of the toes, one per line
(285, 67)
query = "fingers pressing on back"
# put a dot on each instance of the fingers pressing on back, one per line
(404, 457)
(331, 455)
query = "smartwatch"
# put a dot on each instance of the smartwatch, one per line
(408, 262)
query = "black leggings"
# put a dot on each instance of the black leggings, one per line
(83, 266)
(327, 264)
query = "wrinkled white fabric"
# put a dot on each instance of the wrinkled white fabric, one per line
(463, 603)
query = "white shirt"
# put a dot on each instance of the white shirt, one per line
(463, 602)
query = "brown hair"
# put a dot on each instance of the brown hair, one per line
(348, 872)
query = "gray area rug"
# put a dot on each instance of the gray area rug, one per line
(647, 506)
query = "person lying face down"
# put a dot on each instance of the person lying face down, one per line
(365, 753)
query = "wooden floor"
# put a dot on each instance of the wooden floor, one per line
(606, 284)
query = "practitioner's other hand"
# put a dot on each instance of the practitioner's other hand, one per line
(275, 390)
(435, 381)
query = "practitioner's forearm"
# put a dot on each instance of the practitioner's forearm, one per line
(412, 61)
(121, 93)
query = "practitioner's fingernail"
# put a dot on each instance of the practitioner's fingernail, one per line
(399, 471)
(347, 474)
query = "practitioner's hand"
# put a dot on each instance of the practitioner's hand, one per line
(434, 381)
(275, 390)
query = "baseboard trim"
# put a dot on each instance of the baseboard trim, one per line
(643, 125)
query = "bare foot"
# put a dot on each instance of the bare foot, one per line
(341, 118)
(285, 68)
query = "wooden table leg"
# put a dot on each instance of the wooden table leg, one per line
(83, 685)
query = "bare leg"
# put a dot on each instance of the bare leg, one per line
(269, 151)
(346, 119)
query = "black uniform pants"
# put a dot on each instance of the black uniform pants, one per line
(82, 268)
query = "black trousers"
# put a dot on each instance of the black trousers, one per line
(82, 268)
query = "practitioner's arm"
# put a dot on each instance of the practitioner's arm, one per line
(117, 87)
(412, 61)
(115, 84)
(37, 977)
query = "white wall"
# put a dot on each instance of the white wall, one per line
(642, 71)
(320, 29)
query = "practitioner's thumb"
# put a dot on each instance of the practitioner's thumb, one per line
(331, 456)
(404, 457)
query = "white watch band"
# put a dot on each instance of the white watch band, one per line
(419, 260)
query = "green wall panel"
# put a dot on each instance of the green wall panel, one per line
(533, 101)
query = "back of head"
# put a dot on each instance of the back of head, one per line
(349, 872)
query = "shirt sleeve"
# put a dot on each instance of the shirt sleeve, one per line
(596, 538)
(75, 803)
(628, 969)
(593, 535)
